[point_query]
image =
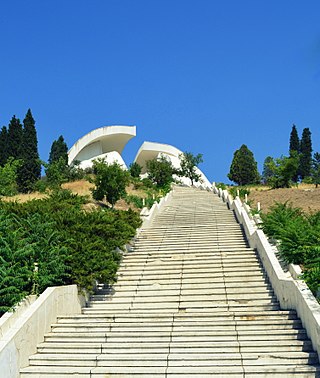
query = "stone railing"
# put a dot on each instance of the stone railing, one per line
(291, 291)
(24, 328)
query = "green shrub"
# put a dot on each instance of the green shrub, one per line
(69, 245)
(299, 237)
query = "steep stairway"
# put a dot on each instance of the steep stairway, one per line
(191, 300)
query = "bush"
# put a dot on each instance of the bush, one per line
(299, 238)
(69, 244)
(233, 190)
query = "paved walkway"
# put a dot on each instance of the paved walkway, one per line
(192, 300)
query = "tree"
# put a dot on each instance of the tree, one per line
(306, 154)
(188, 166)
(243, 169)
(15, 139)
(30, 171)
(160, 171)
(56, 172)
(267, 172)
(315, 172)
(281, 170)
(135, 169)
(3, 146)
(294, 148)
(59, 149)
(110, 181)
(8, 177)
(294, 144)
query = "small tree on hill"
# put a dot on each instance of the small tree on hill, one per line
(30, 170)
(160, 171)
(188, 166)
(110, 181)
(281, 171)
(3, 146)
(59, 149)
(135, 169)
(8, 177)
(243, 169)
(267, 172)
(306, 154)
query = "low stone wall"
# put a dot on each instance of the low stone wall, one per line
(291, 292)
(148, 215)
(22, 330)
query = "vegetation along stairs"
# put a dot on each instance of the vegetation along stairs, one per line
(191, 300)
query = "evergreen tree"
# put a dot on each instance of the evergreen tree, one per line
(294, 144)
(15, 139)
(306, 154)
(316, 169)
(243, 169)
(3, 146)
(267, 172)
(294, 149)
(59, 149)
(30, 170)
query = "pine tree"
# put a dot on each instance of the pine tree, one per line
(15, 139)
(3, 146)
(306, 154)
(30, 170)
(294, 148)
(243, 169)
(59, 149)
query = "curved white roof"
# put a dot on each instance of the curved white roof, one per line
(100, 141)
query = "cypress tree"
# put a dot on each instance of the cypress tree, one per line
(294, 144)
(59, 149)
(30, 170)
(15, 139)
(294, 148)
(306, 154)
(3, 146)
(243, 169)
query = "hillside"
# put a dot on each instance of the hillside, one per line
(307, 197)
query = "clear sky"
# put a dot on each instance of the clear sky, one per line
(205, 75)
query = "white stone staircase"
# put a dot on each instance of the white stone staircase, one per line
(192, 300)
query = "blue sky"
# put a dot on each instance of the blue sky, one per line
(205, 76)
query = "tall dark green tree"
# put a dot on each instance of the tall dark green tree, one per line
(243, 169)
(267, 172)
(15, 139)
(305, 154)
(59, 149)
(294, 144)
(30, 170)
(3, 146)
(294, 148)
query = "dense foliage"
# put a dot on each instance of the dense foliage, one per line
(110, 181)
(299, 237)
(243, 169)
(160, 172)
(278, 173)
(69, 244)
